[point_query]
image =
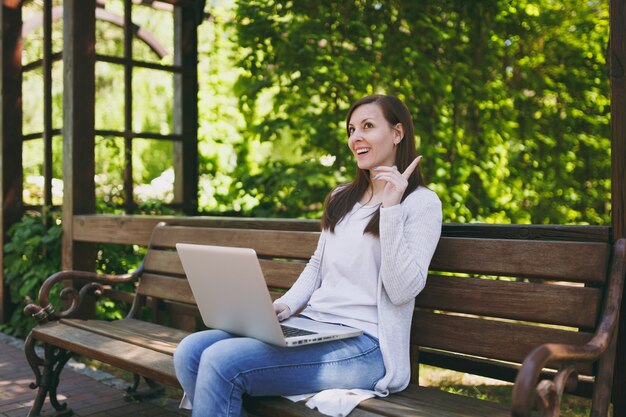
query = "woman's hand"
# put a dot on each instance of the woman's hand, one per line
(282, 311)
(396, 181)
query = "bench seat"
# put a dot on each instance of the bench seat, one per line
(414, 401)
(135, 352)
(146, 349)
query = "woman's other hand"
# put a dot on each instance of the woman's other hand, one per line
(396, 181)
(282, 311)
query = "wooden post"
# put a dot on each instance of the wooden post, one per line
(129, 199)
(11, 158)
(186, 108)
(47, 105)
(617, 60)
(186, 124)
(79, 34)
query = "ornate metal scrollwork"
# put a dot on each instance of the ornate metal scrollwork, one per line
(47, 371)
(550, 392)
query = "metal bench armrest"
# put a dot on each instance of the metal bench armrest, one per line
(45, 311)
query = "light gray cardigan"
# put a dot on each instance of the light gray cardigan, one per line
(409, 233)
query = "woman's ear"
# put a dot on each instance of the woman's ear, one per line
(399, 133)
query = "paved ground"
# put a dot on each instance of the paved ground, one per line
(88, 393)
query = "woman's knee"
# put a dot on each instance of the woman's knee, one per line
(229, 358)
(192, 346)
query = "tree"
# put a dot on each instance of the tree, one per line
(510, 99)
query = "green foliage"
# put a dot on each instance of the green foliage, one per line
(283, 189)
(220, 123)
(32, 254)
(116, 259)
(509, 98)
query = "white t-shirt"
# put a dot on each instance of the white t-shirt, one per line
(349, 275)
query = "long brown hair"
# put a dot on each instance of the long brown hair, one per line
(342, 199)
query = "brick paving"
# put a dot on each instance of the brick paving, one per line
(87, 393)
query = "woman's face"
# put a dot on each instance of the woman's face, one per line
(372, 138)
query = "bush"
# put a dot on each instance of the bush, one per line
(32, 254)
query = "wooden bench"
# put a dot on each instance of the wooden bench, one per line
(540, 313)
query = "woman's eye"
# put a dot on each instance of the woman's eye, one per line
(368, 125)
(350, 130)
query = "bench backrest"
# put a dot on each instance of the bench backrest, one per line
(494, 300)
(283, 255)
(498, 299)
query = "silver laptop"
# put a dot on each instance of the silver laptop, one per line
(232, 295)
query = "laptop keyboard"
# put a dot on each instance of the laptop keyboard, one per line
(292, 331)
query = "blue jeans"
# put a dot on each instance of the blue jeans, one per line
(216, 368)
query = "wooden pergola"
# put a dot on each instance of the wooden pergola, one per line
(82, 228)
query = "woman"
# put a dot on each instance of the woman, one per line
(379, 233)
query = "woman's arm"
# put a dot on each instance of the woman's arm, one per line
(308, 281)
(409, 233)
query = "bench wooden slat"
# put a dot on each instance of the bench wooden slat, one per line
(136, 359)
(502, 371)
(576, 261)
(141, 333)
(432, 402)
(415, 401)
(282, 407)
(270, 243)
(281, 274)
(278, 273)
(574, 306)
(137, 229)
(447, 404)
(182, 309)
(166, 288)
(173, 289)
(507, 341)
(163, 262)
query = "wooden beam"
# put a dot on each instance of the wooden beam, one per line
(618, 117)
(136, 230)
(79, 33)
(11, 175)
(48, 60)
(186, 109)
(102, 15)
(129, 195)
(617, 60)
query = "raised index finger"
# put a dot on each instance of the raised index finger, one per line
(409, 170)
